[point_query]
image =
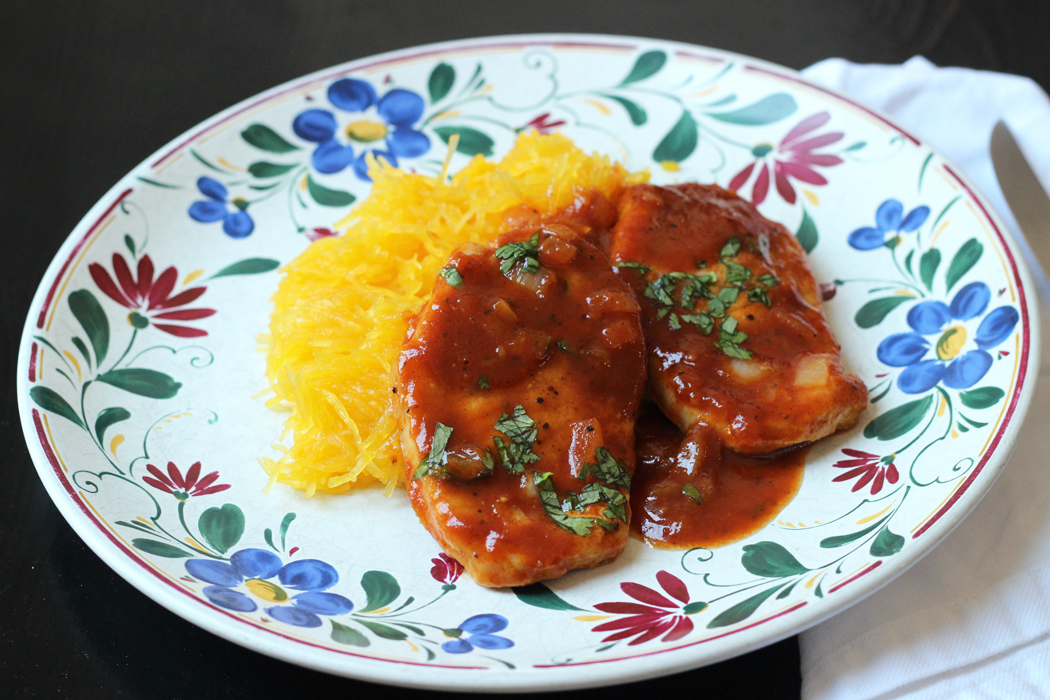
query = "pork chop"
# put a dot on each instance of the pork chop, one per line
(519, 386)
(738, 341)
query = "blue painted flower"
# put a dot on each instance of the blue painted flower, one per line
(957, 369)
(477, 632)
(254, 568)
(389, 137)
(889, 219)
(236, 223)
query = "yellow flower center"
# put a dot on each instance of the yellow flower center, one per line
(270, 592)
(951, 342)
(366, 131)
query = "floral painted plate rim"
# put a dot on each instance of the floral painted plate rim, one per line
(736, 640)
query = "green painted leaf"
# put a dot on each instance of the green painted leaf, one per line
(265, 138)
(268, 536)
(108, 417)
(348, 635)
(680, 141)
(410, 628)
(442, 78)
(381, 589)
(248, 266)
(49, 400)
(539, 596)
(82, 349)
(222, 527)
(766, 111)
(872, 313)
(646, 65)
(855, 147)
(288, 518)
(634, 111)
(899, 420)
(928, 264)
(144, 382)
(383, 631)
(328, 197)
(264, 169)
(839, 540)
(743, 610)
(91, 316)
(771, 560)
(471, 141)
(886, 543)
(967, 257)
(983, 397)
(159, 549)
(130, 243)
(807, 233)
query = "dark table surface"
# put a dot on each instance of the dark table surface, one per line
(92, 88)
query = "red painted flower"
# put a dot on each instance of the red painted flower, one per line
(654, 614)
(870, 468)
(316, 234)
(147, 295)
(793, 158)
(446, 570)
(183, 487)
(543, 125)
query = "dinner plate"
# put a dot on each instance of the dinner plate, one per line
(142, 389)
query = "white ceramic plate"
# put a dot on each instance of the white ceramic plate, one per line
(140, 350)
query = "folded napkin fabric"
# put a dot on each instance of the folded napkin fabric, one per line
(971, 619)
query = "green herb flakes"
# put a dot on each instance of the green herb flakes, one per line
(693, 493)
(731, 248)
(643, 270)
(451, 275)
(524, 252)
(552, 507)
(483, 382)
(437, 457)
(607, 469)
(521, 433)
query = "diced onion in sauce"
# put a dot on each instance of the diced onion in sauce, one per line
(747, 370)
(607, 301)
(553, 249)
(538, 282)
(812, 371)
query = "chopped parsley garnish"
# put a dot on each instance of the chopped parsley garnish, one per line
(551, 506)
(729, 340)
(607, 469)
(694, 287)
(731, 248)
(703, 321)
(643, 270)
(451, 275)
(521, 433)
(594, 492)
(437, 457)
(693, 493)
(524, 252)
(483, 382)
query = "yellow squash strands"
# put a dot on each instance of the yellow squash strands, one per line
(344, 305)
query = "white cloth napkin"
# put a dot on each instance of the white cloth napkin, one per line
(972, 619)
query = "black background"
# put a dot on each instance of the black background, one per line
(90, 89)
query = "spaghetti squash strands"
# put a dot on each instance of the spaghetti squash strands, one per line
(343, 306)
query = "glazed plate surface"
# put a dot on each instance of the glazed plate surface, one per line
(141, 350)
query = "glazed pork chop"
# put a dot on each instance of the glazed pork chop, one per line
(519, 387)
(738, 341)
